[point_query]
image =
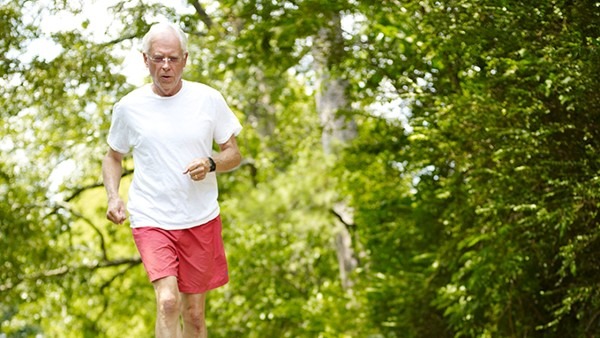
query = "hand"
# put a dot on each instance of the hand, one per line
(116, 211)
(197, 169)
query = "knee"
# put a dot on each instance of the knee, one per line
(168, 304)
(194, 315)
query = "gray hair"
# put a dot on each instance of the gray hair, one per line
(162, 27)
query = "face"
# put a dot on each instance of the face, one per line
(166, 75)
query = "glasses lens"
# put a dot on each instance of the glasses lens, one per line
(162, 59)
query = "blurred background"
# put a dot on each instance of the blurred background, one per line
(411, 168)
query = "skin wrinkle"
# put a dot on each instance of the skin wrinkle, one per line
(166, 76)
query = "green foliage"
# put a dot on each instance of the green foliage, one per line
(503, 131)
(473, 180)
(279, 239)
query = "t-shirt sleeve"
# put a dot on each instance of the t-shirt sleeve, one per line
(118, 133)
(226, 124)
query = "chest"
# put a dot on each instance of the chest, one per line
(173, 125)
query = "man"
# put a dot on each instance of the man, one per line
(170, 126)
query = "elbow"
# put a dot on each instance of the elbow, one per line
(238, 159)
(235, 161)
(230, 163)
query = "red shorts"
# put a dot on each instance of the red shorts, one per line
(196, 256)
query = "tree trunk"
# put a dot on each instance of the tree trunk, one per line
(338, 130)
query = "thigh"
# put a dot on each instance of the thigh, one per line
(202, 265)
(158, 251)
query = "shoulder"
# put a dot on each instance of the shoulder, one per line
(201, 88)
(140, 93)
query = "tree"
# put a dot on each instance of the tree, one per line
(499, 93)
(59, 263)
(470, 168)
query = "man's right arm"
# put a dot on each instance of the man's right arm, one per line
(112, 169)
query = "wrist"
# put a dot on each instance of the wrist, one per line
(112, 195)
(212, 166)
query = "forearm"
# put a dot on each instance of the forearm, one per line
(229, 157)
(227, 160)
(112, 170)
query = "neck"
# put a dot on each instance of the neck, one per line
(167, 92)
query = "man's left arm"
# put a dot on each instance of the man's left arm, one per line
(229, 157)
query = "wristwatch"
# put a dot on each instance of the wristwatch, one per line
(213, 165)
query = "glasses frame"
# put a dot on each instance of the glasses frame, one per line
(162, 59)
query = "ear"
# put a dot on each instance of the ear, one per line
(145, 59)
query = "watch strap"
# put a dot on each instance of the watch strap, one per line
(213, 165)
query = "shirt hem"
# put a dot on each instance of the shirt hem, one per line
(165, 226)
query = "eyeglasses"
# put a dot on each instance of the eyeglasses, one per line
(163, 59)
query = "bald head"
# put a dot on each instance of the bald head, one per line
(161, 29)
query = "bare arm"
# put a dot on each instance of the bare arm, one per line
(112, 169)
(227, 159)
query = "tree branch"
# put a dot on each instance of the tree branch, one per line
(66, 269)
(202, 13)
(349, 226)
(119, 40)
(80, 190)
(96, 230)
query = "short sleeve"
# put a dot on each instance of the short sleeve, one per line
(118, 135)
(226, 123)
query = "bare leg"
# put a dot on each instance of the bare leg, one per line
(168, 308)
(193, 306)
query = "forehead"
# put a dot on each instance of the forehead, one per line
(165, 43)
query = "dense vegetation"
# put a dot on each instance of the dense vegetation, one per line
(412, 168)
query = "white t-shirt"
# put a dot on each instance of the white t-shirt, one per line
(166, 134)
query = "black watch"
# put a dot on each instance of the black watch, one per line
(213, 165)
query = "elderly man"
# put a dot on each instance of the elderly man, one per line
(170, 126)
